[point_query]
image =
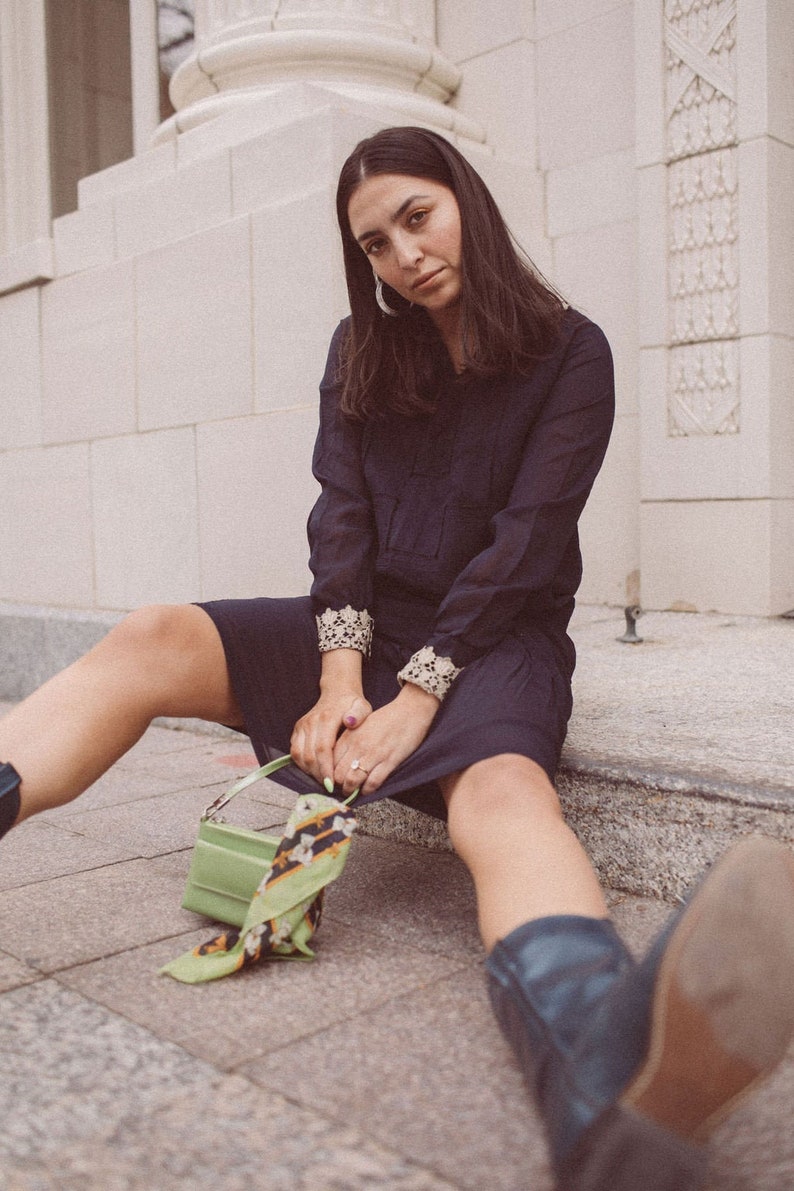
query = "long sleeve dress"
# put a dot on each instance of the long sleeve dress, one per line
(445, 547)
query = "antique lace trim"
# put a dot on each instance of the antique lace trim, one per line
(433, 674)
(345, 629)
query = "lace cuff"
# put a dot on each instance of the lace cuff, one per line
(345, 629)
(433, 674)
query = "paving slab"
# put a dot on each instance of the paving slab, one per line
(119, 785)
(677, 746)
(403, 894)
(39, 850)
(432, 1067)
(226, 1135)
(84, 916)
(230, 1021)
(165, 823)
(90, 1067)
(709, 695)
(14, 973)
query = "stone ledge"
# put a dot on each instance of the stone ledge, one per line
(30, 264)
(37, 642)
(650, 832)
(654, 831)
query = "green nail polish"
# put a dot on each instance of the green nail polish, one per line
(329, 785)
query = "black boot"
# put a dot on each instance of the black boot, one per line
(9, 797)
(633, 1065)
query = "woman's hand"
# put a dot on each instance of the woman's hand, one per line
(384, 739)
(341, 705)
(314, 735)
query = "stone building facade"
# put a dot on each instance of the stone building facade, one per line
(168, 286)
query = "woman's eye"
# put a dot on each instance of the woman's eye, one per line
(416, 217)
(374, 247)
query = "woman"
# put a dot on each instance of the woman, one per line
(464, 415)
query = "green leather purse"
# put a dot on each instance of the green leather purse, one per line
(270, 889)
(229, 862)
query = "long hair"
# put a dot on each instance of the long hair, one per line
(510, 316)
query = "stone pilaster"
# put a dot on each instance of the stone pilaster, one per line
(145, 73)
(24, 131)
(715, 157)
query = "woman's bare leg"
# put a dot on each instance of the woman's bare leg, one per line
(161, 660)
(506, 824)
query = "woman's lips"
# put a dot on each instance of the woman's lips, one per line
(426, 279)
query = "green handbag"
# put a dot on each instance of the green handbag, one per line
(229, 862)
(288, 875)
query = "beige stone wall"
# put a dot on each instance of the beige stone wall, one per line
(161, 440)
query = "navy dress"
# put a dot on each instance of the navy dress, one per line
(455, 530)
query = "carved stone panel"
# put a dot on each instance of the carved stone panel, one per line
(702, 212)
(703, 247)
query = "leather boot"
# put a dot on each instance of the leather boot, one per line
(633, 1066)
(9, 797)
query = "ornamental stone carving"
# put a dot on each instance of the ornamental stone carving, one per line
(702, 200)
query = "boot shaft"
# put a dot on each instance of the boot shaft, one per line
(9, 797)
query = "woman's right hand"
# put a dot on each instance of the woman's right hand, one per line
(341, 705)
(314, 735)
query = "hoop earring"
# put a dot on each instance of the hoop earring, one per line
(379, 298)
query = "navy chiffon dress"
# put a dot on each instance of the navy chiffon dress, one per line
(455, 530)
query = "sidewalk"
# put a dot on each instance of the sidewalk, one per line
(378, 1065)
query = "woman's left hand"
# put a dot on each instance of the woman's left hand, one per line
(385, 738)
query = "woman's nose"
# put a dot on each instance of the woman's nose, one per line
(408, 252)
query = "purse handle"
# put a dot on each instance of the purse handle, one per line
(255, 776)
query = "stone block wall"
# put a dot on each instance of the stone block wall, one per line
(158, 443)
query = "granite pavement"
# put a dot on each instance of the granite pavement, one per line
(379, 1064)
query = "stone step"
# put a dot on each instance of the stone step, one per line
(649, 832)
(677, 746)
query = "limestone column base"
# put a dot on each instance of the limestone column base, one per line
(410, 80)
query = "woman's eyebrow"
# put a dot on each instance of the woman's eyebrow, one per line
(403, 207)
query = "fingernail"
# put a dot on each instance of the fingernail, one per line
(329, 785)
(350, 720)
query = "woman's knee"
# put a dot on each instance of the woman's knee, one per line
(154, 629)
(176, 651)
(495, 795)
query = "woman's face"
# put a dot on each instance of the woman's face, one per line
(410, 230)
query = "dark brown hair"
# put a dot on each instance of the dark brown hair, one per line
(510, 315)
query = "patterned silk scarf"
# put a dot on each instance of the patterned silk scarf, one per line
(285, 910)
